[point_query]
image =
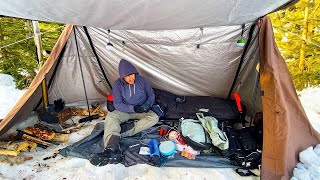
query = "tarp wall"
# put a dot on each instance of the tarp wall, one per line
(286, 128)
(170, 59)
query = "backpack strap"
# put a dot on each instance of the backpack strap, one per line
(244, 172)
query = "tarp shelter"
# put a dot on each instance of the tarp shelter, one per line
(160, 39)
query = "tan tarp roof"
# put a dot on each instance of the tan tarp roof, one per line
(286, 128)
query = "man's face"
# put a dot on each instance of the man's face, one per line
(130, 78)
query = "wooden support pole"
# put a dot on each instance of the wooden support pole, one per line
(37, 39)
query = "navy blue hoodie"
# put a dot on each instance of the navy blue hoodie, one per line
(126, 96)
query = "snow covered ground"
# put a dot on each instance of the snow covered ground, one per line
(9, 95)
(310, 100)
(309, 165)
(76, 168)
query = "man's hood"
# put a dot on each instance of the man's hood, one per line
(126, 68)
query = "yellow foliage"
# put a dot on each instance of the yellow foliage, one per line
(288, 28)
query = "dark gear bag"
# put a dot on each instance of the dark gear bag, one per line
(244, 150)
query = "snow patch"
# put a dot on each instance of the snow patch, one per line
(309, 167)
(310, 100)
(9, 95)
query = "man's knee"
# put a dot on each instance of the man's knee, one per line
(112, 117)
(154, 117)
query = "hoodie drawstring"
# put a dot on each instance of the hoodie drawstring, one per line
(134, 89)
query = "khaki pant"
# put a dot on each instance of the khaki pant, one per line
(113, 120)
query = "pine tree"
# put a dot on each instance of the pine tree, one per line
(19, 60)
(297, 33)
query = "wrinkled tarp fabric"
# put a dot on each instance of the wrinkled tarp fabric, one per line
(142, 14)
(286, 128)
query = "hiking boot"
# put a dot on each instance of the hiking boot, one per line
(108, 156)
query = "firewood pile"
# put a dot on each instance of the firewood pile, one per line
(45, 134)
(75, 111)
(27, 140)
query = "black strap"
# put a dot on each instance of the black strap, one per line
(245, 172)
(242, 27)
(242, 58)
(84, 85)
(96, 55)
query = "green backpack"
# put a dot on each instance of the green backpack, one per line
(201, 134)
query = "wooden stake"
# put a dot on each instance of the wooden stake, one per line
(37, 39)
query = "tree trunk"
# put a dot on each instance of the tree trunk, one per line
(304, 39)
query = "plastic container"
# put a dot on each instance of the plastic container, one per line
(167, 148)
(176, 137)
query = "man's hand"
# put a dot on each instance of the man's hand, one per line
(140, 109)
(110, 106)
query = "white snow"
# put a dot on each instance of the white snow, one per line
(9, 95)
(309, 166)
(310, 100)
(76, 168)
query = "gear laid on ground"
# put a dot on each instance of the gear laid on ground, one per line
(108, 156)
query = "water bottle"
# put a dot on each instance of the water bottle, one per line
(154, 152)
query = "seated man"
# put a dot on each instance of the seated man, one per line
(133, 98)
